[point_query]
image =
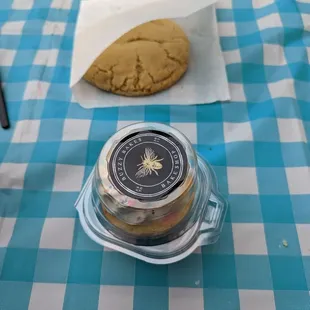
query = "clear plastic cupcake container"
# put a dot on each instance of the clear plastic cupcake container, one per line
(151, 196)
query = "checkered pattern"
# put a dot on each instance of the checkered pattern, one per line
(258, 145)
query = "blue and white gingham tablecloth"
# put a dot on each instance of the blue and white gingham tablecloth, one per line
(258, 145)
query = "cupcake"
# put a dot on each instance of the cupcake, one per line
(145, 182)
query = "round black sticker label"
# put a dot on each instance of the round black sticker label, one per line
(148, 165)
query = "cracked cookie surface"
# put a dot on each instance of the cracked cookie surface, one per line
(147, 59)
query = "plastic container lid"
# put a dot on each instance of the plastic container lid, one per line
(151, 196)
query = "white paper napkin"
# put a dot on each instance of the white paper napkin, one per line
(101, 22)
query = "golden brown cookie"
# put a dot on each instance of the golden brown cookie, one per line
(146, 60)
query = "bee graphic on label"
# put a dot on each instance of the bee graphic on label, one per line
(150, 163)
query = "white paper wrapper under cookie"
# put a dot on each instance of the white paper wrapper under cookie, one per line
(101, 22)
